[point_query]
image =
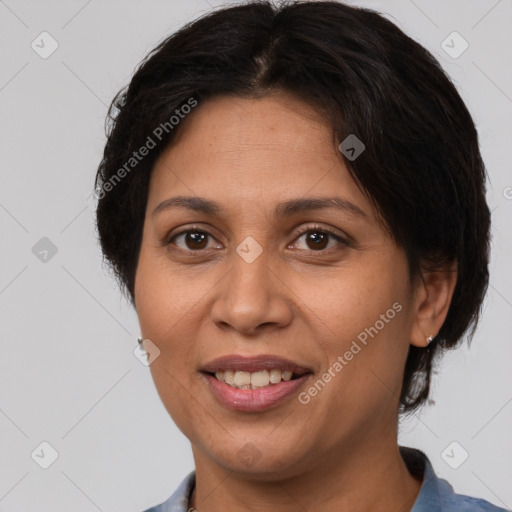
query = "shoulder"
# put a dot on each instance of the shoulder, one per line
(436, 494)
(462, 503)
(179, 501)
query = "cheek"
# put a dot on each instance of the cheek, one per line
(164, 317)
(177, 396)
(367, 316)
(164, 306)
(165, 300)
(366, 297)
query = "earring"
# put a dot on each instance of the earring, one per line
(429, 339)
(140, 339)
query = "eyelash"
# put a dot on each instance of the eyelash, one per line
(166, 241)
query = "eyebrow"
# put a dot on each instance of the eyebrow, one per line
(284, 209)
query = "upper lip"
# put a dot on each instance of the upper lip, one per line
(253, 364)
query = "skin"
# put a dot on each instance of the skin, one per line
(295, 300)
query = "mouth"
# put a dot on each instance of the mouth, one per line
(253, 383)
(254, 372)
(254, 380)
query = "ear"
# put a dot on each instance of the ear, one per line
(433, 296)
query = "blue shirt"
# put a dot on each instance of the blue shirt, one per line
(436, 494)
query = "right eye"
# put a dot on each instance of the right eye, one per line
(191, 239)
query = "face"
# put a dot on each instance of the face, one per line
(270, 282)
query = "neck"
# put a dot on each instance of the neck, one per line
(354, 479)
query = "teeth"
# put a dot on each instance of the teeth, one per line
(275, 376)
(260, 379)
(229, 377)
(242, 378)
(253, 380)
(287, 375)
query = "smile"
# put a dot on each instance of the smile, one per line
(253, 380)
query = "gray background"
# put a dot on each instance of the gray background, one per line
(68, 375)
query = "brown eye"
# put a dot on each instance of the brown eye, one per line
(192, 240)
(318, 239)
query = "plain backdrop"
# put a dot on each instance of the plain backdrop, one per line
(68, 374)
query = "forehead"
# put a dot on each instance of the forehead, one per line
(266, 149)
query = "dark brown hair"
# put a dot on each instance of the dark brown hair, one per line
(421, 168)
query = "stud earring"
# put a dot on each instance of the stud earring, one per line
(140, 339)
(429, 339)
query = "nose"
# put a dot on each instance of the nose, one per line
(252, 297)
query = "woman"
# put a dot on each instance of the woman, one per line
(293, 199)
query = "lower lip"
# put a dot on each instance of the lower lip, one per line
(254, 400)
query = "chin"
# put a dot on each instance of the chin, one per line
(263, 461)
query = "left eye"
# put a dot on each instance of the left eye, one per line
(318, 239)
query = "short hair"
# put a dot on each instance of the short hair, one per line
(421, 168)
